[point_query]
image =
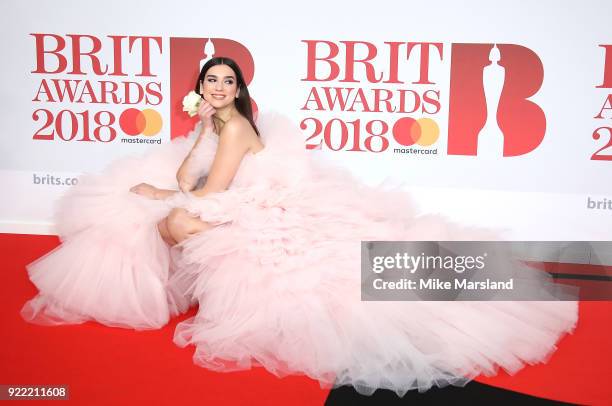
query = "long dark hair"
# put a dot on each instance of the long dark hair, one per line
(243, 101)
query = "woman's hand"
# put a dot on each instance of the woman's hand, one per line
(185, 186)
(144, 189)
(206, 111)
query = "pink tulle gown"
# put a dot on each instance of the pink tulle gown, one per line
(278, 279)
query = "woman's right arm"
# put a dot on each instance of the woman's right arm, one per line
(228, 157)
(188, 172)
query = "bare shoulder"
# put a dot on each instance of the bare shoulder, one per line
(238, 126)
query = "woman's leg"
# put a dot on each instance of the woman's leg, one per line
(181, 225)
(162, 227)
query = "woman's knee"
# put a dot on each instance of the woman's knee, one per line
(179, 224)
(162, 227)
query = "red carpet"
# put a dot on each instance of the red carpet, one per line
(112, 366)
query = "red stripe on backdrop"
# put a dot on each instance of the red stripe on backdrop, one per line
(106, 365)
(591, 279)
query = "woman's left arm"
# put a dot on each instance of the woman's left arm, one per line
(151, 192)
(230, 151)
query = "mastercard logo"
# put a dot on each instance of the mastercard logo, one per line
(135, 122)
(423, 131)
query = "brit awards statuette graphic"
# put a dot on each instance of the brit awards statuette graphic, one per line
(491, 137)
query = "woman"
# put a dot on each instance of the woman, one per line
(228, 114)
(268, 244)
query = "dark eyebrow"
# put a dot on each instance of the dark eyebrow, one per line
(215, 76)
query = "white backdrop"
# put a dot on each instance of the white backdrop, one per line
(550, 192)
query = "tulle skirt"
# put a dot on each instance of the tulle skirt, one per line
(277, 279)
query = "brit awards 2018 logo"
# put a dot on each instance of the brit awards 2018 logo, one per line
(394, 89)
(86, 82)
(355, 85)
(103, 89)
(187, 56)
(605, 112)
